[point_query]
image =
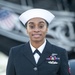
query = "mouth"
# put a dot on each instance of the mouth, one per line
(36, 35)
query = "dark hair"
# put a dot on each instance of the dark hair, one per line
(47, 23)
(26, 25)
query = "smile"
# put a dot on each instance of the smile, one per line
(36, 35)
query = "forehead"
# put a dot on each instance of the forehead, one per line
(37, 20)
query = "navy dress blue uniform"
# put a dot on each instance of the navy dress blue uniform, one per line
(53, 61)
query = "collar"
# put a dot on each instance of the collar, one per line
(41, 48)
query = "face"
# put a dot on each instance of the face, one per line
(37, 29)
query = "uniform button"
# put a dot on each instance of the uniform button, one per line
(35, 68)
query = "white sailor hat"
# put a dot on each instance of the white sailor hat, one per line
(36, 12)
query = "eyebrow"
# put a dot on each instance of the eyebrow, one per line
(33, 22)
(42, 22)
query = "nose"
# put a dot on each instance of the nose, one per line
(36, 29)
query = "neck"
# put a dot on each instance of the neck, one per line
(37, 44)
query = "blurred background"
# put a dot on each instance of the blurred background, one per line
(61, 32)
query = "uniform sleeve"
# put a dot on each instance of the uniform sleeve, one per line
(64, 67)
(10, 70)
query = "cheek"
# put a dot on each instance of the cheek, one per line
(45, 31)
(28, 32)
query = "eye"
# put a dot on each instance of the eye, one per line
(40, 26)
(31, 27)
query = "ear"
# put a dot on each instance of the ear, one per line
(46, 29)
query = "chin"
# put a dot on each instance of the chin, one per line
(37, 40)
(34, 40)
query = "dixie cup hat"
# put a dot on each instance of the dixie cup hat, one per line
(36, 12)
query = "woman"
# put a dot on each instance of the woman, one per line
(38, 56)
